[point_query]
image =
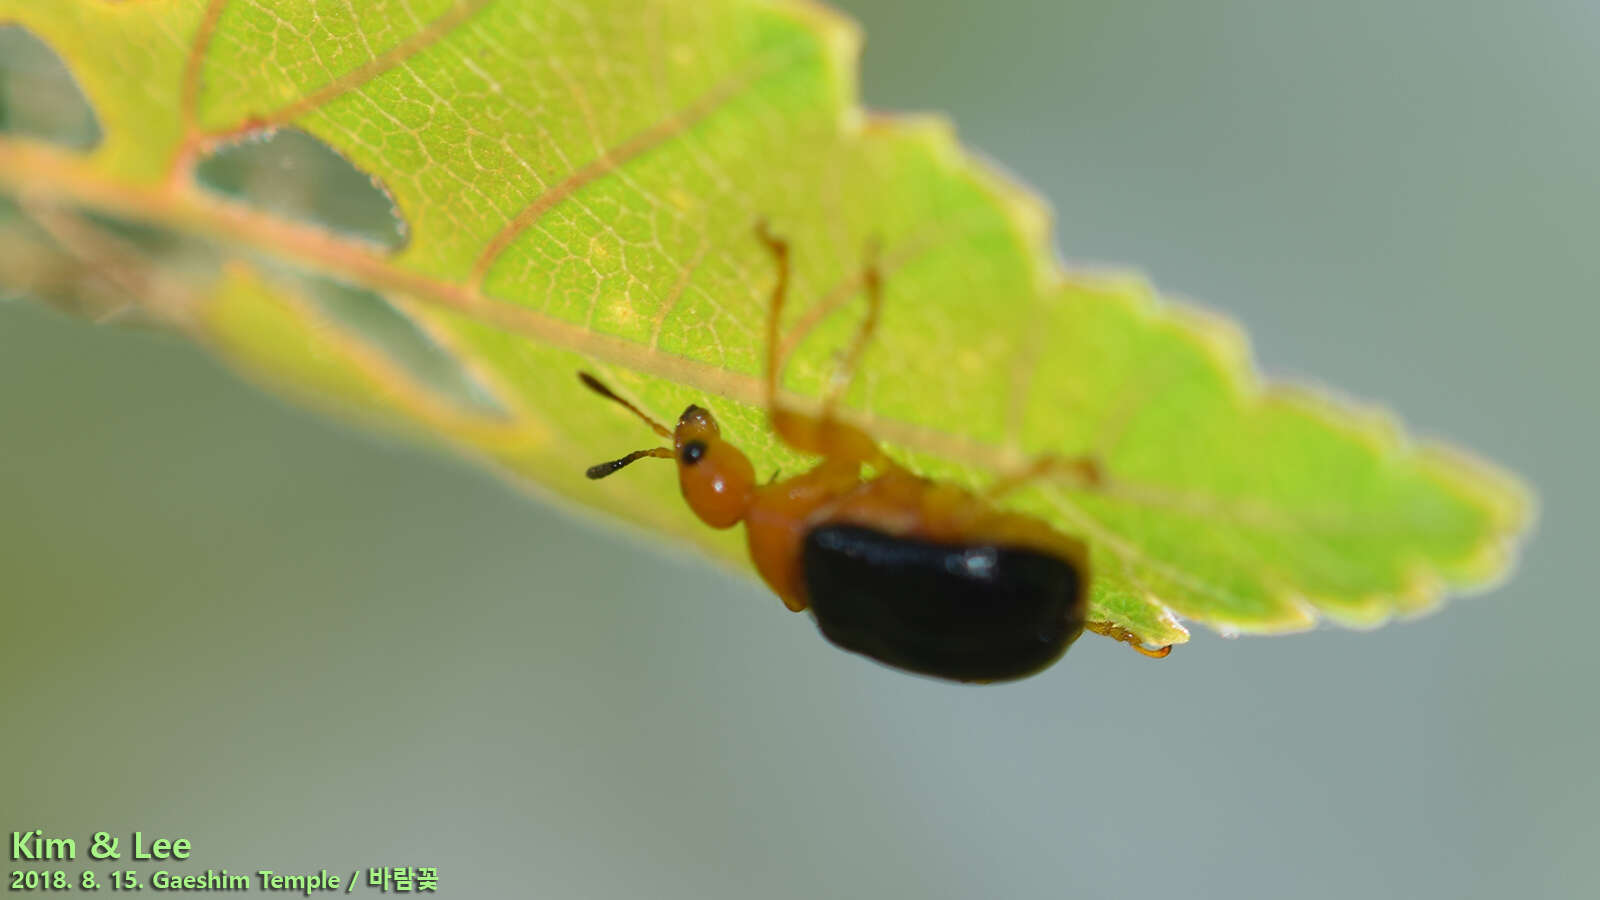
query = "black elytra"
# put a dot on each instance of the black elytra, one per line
(966, 612)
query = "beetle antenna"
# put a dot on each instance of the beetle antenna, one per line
(593, 384)
(606, 468)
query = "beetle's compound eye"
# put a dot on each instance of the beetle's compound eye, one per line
(717, 480)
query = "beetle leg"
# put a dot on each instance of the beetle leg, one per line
(823, 434)
(1079, 471)
(1117, 632)
(779, 248)
(872, 285)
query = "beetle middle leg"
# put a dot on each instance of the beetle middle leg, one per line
(1084, 472)
(1077, 471)
(823, 434)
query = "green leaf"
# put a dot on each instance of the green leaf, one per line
(575, 185)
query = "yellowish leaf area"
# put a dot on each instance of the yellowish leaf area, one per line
(579, 184)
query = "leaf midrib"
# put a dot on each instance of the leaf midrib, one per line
(31, 168)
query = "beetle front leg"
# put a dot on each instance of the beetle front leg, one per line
(823, 434)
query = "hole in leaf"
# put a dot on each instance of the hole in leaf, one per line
(38, 95)
(380, 325)
(291, 174)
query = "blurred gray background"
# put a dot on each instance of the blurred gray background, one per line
(303, 646)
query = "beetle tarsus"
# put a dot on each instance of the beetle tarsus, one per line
(1118, 633)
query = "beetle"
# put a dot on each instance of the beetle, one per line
(917, 574)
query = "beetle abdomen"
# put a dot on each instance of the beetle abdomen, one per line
(968, 612)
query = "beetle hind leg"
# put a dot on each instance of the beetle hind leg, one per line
(1118, 633)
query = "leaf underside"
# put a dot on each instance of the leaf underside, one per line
(575, 185)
